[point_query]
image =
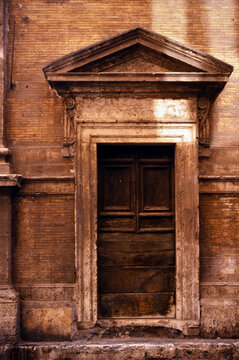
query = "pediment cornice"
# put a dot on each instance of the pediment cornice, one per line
(180, 68)
(158, 43)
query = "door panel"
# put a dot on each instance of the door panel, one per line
(155, 182)
(136, 305)
(114, 253)
(135, 249)
(116, 223)
(138, 279)
(136, 237)
(116, 187)
(156, 223)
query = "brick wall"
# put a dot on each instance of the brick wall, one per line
(43, 263)
(219, 261)
(43, 246)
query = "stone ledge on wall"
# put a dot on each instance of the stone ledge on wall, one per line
(11, 180)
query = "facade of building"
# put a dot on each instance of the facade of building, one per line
(119, 169)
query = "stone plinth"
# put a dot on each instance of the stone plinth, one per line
(8, 315)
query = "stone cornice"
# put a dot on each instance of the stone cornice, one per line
(219, 177)
(200, 84)
(219, 184)
(138, 77)
(10, 180)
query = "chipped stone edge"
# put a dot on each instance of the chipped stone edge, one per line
(7, 180)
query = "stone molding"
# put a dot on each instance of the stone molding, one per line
(10, 180)
(219, 177)
(187, 286)
(219, 184)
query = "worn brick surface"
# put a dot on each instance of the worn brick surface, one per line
(43, 239)
(219, 238)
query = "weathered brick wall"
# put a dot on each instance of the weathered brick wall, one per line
(219, 225)
(43, 239)
(43, 249)
(219, 237)
(43, 257)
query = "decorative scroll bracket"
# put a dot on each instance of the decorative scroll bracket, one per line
(203, 121)
(69, 127)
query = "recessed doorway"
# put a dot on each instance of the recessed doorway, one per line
(136, 231)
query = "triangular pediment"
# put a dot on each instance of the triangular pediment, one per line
(136, 59)
(135, 65)
(138, 51)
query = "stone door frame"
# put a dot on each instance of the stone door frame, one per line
(186, 215)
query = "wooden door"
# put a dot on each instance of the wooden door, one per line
(136, 231)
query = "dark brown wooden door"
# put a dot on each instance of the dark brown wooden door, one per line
(136, 231)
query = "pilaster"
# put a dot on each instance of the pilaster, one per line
(8, 296)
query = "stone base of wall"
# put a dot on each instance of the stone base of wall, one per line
(126, 350)
(220, 320)
(9, 304)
